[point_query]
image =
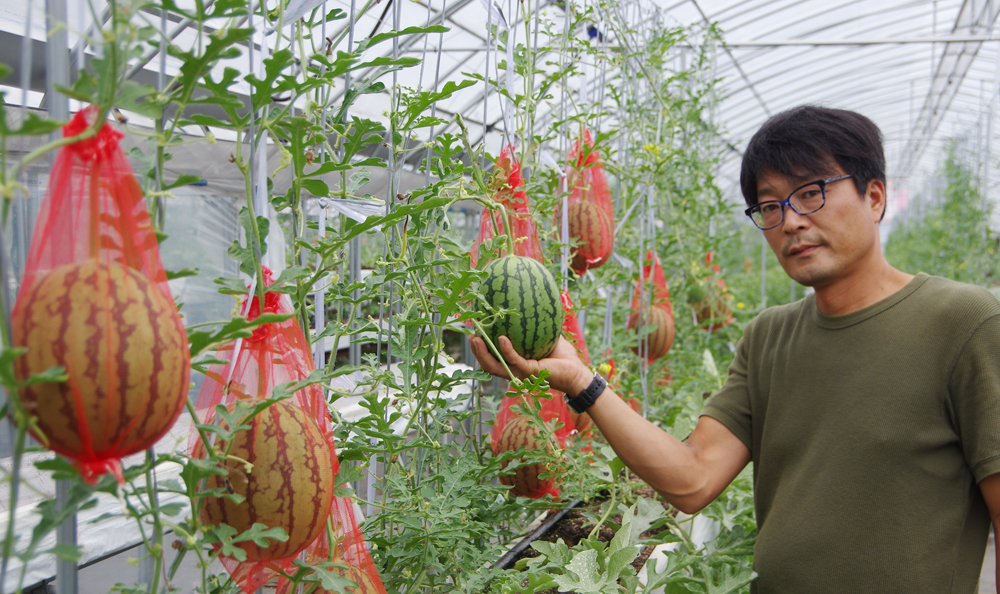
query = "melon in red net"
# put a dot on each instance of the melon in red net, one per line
(292, 443)
(590, 211)
(94, 299)
(652, 311)
(510, 428)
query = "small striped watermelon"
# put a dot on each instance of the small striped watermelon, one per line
(594, 232)
(289, 483)
(525, 481)
(525, 286)
(125, 351)
(659, 325)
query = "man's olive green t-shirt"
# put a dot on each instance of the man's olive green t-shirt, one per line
(869, 433)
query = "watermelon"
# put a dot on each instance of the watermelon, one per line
(525, 286)
(595, 233)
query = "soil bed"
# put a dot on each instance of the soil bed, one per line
(574, 527)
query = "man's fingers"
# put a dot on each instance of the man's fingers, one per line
(510, 355)
(485, 357)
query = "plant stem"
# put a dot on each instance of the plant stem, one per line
(607, 514)
(496, 351)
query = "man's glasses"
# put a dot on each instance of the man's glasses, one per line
(805, 199)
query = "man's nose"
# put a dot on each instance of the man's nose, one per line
(793, 221)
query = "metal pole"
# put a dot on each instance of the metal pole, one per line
(57, 73)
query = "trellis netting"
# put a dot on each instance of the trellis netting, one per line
(277, 355)
(95, 300)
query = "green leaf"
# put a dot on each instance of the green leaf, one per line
(132, 97)
(222, 44)
(269, 85)
(245, 255)
(376, 39)
(290, 275)
(582, 575)
(233, 285)
(360, 135)
(59, 467)
(33, 125)
(52, 375)
(238, 327)
(183, 180)
(184, 272)
(315, 187)
(672, 572)
(557, 552)
(330, 576)
(84, 89)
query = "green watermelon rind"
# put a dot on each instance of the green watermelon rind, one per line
(535, 324)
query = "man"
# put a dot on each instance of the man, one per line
(870, 409)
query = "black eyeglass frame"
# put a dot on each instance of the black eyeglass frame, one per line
(788, 201)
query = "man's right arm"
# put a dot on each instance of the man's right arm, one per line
(689, 474)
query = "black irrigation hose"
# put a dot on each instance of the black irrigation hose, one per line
(527, 540)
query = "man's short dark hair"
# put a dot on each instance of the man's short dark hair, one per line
(808, 140)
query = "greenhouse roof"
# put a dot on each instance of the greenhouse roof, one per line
(925, 71)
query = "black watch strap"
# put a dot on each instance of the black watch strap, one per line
(585, 399)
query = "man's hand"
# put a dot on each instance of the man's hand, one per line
(566, 372)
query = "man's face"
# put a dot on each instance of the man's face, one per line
(831, 243)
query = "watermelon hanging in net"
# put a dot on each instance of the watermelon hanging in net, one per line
(291, 443)
(590, 211)
(652, 311)
(94, 299)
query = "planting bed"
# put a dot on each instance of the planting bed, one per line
(573, 526)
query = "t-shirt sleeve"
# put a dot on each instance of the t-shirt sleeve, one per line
(974, 387)
(731, 405)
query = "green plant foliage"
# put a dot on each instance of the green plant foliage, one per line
(438, 517)
(948, 232)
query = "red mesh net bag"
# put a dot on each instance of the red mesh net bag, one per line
(508, 184)
(511, 431)
(590, 211)
(571, 327)
(574, 334)
(94, 299)
(710, 298)
(290, 442)
(652, 312)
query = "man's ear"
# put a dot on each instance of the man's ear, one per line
(877, 199)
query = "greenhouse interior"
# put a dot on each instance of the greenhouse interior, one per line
(400, 183)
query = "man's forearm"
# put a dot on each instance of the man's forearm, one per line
(670, 466)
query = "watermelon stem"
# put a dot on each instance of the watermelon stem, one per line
(496, 351)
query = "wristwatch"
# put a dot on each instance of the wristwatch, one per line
(585, 399)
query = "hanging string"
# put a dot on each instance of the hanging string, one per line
(437, 77)
(486, 79)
